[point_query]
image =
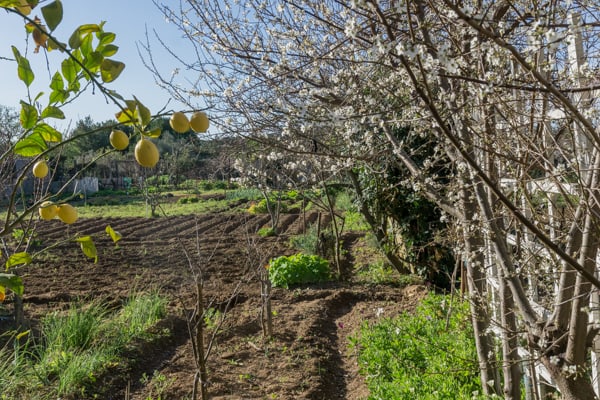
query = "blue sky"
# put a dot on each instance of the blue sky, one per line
(128, 20)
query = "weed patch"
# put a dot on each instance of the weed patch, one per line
(426, 355)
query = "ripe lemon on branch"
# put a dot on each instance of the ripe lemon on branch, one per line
(119, 139)
(146, 153)
(67, 213)
(40, 169)
(48, 210)
(199, 122)
(179, 122)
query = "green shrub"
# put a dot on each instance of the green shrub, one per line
(221, 185)
(207, 185)
(298, 268)
(183, 200)
(426, 355)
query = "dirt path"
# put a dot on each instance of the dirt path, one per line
(308, 356)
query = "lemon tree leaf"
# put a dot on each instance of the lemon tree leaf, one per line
(109, 50)
(31, 145)
(18, 259)
(13, 282)
(86, 44)
(58, 96)
(144, 112)
(94, 60)
(48, 133)
(89, 28)
(57, 82)
(24, 70)
(53, 112)
(88, 247)
(28, 116)
(75, 41)
(53, 14)
(154, 133)
(127, 117)
(114, 235)
(69, 69)
(106, 38)
(111, 69)
(9, 3)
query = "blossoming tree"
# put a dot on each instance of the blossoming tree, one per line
(501, 94)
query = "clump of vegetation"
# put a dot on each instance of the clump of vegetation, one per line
(298, 268)
(426, 355)
(267, 232)
(186, 200)
(308, 243)
(76, 347)
(379, 272)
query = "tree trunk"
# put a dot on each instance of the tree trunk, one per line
(571, 387)
(480, 318)
(510, 356)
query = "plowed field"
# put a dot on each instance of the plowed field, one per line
(308, 356)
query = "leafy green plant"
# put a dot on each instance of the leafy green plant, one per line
(266, 232)
(211, 317)
(298, 268)
(426, 355)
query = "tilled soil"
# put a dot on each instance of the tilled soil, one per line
(308, 355)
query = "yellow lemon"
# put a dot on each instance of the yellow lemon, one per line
(146, 153)
(199, 122)
(179, 122)
(119, 139)
(48, 210)
(67, 213)
(40, 169)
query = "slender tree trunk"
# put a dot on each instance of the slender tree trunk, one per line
(510, 356)
(480, 317)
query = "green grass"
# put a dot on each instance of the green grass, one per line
(74, 348)
(138, 208)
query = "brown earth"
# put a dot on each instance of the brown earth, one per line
(308, 356)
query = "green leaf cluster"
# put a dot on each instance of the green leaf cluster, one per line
(298, 268)
(88, 60)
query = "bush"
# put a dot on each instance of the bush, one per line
(207, 185)
(298, 268)
(428, 355)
